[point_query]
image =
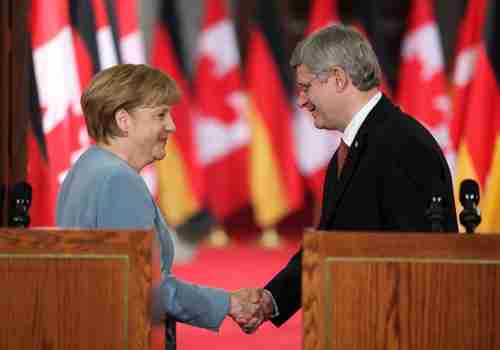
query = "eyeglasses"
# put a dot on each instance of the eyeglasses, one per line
(304, 87)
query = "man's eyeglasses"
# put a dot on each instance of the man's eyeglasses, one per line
(304, 87)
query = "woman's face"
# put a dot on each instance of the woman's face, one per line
(149, 131)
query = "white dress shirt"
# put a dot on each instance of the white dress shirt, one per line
(352, 128)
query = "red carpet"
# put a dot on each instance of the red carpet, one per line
(242, 264)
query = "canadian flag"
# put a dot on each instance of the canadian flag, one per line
(131, 40)
(276, 186)
(179, 174)
(422, 87)
(108, 55)
(58, 89)
(315, 147)
(223, 134)
(479, 151)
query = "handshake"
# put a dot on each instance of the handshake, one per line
(249, 308)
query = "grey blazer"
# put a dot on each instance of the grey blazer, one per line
(103, 191)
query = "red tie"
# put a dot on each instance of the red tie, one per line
(341, 156)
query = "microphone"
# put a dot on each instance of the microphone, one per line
(19, 203)
(470, 216)
(435, 212)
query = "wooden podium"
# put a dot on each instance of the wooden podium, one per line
(401, 291)
(70, 289)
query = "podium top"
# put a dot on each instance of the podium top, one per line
(57, 240)
(404, 245)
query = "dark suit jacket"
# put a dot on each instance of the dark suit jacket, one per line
(393, 168)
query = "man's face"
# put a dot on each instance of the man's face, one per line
(318, 97)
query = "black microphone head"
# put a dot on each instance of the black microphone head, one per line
(21, 190)
(469, 191)
(437, 191)
(19, 204)
(20, 194)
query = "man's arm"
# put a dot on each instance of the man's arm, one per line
(285, 288)
(407, 186)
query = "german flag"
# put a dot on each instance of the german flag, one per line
(468, 45)
(179, 173)
(479, 151)
(276, 187)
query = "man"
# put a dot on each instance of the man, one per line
(387, 167)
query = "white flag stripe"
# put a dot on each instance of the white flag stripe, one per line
(424, 45)
(314, 147)
(217, 139)
(57, 81)
(132, 48)
(219, 43)
(107, 53)
(464, 68)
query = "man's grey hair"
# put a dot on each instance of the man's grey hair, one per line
(339, 45)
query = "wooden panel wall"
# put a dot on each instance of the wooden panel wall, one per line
(4, 106)
(19, 82)
(14, 51)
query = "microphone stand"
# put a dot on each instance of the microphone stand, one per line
(470, 218)
(435, 213)
(20, 202)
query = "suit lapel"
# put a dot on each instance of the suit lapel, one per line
(351, 164)
(331, 183)
(333, 197)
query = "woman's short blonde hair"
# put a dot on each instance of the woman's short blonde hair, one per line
(124, 86)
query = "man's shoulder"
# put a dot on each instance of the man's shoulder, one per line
(398, 129)
(398, 138)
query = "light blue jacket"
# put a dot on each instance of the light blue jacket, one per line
(101, 191)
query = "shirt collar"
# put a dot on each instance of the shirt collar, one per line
(352, 128)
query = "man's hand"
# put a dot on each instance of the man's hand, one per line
(245, 308)
(259, 308)
(266, 310)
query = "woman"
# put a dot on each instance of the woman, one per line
(127, 112)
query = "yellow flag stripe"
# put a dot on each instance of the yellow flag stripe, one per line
(267, 191)
(491, 200)
(489, 204)
(177, 199)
